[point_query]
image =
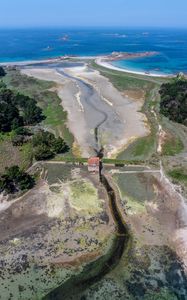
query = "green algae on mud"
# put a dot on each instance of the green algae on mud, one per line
(95, 271)
(142, 273)
(45, 242)
(137, 272)
(153, 268)
(146, 270)
(78, 283)
(84, 196)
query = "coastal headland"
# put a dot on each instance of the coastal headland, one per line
(102, 60)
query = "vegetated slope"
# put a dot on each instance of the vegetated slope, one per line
(25, 98)
(140, 88)
(17, 110)
(174, 100)
(2, 72)
(47, 100)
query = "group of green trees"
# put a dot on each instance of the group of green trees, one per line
(46, 145)
(17, 110)
(2, 72)
(174, 100)
(21, 135)
(18, 113)
(15, 180)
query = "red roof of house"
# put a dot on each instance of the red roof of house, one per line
(93, 161)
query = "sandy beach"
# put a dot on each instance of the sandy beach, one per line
(101, 60)
(106, 64)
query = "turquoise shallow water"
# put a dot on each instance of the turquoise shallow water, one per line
(158, 64)
(35, 44)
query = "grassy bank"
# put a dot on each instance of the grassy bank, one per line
(48, 100)
(56, 117)
(123, 80)
(172, 146)
(143, 148)
(179, 175)
(10, 155)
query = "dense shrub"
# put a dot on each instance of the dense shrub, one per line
(174, 100)
(15, 180)
(46, 145)
(23, 131)
(2, 72)
(43, 152)
(17, 110)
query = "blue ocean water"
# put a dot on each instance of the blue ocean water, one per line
(36, 44)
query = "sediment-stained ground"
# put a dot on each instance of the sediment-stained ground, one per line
(64, 223)
(93, 104)
(49, 234)
(153, 265)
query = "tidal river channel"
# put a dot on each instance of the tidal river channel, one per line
(95, 271)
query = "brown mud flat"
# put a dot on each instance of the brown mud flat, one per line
(82, 259)
(154, 210)
(44, 238)
(96, 270)
(150, 267)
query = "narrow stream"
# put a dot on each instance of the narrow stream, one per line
(95, 271)
(89, 95)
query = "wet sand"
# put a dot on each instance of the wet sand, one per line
(123, 111)
(91, 102)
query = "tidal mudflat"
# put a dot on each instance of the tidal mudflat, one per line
(76, 237)
(150, 267)
(94, 105)
(48, 235)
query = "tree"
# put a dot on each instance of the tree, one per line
(6, 96)
(32, 114)
(9, 116)
(18, 140)
(43, 152)
(174, 100)
(59, 146)
(43, 137)
(2, 85)
(16, 122)
(2, 72)
(23, 131)
(17, 110)
(14, 180)
(46, 145)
